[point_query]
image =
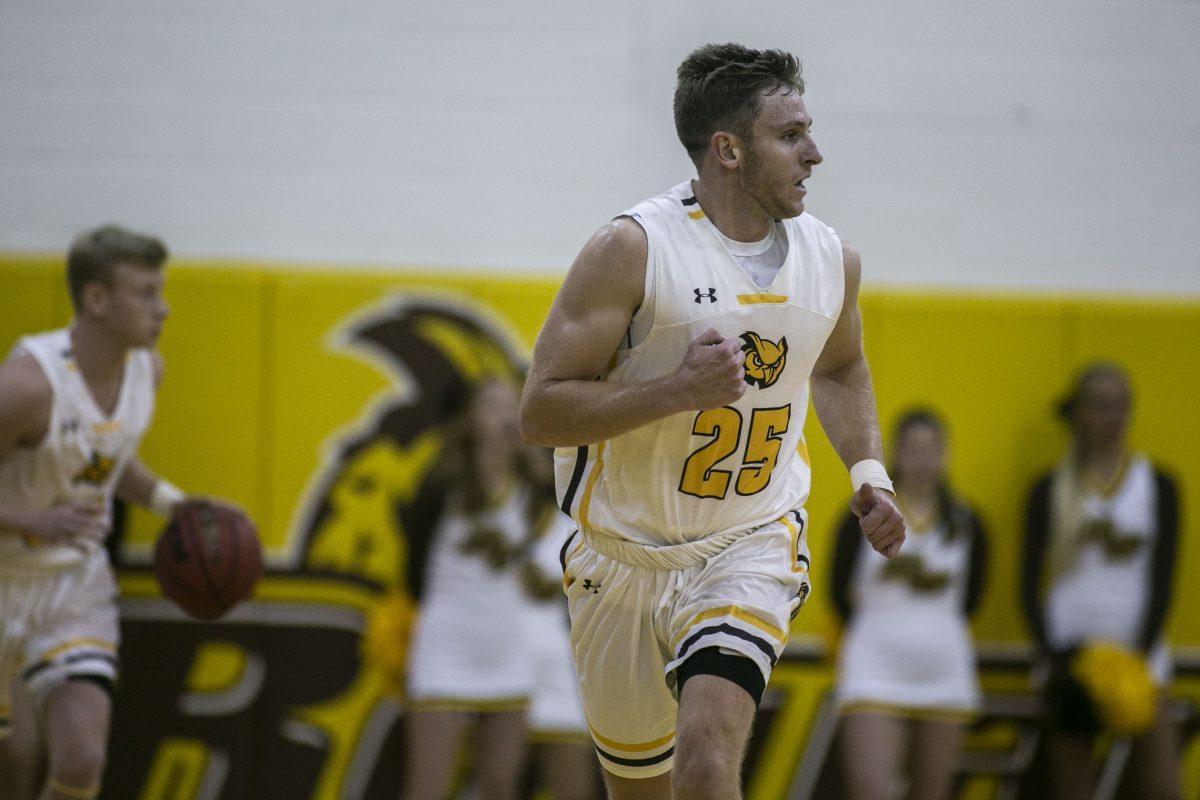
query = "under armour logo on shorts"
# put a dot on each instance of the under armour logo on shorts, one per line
(711, 294)
(593, 587)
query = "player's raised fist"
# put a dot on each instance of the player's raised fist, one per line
(711, 374)
(880, 519)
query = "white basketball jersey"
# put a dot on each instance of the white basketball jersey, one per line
(695, 474)
(84, 451)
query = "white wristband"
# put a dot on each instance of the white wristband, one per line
(165, 497)
(870, 471)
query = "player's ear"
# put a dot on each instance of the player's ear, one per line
(94, 297)
(728, 149)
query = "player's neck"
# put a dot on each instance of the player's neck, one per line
(100, 359)
(728, 208)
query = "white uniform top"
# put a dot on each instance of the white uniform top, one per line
(470, 640)
(692, 475)
(908, 642)
(84, 451)
(1103, 595)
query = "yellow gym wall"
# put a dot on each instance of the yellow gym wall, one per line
(258, 386)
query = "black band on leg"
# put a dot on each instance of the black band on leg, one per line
(738, 669)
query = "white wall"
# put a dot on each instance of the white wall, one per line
(1024, 143)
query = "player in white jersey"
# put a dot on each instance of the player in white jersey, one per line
(906, 681)
(74, 404)
(1101, 540)
(673, 375)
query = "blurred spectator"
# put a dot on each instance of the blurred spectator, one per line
(906, 680)
(566, 764)
(470, 662)
(1100, 543)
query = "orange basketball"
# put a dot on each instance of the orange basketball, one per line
(208, 558)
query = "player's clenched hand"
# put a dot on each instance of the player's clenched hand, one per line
(71, 524)
(711, 374)
(879, 518)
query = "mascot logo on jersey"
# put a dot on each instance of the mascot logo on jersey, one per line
(97, 470)
(764, 360)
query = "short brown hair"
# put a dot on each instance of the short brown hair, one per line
(719, 86)
(95, 254)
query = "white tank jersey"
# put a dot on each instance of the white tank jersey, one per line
(696, 474)
(84, 450)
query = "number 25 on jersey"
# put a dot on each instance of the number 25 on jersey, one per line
(702, 476)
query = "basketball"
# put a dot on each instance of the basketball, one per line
(208, 558)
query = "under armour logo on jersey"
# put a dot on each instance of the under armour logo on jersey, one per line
(594, 588)
(710, 295)
(70, 426)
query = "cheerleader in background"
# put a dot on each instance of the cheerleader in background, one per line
(558, 733)
(1100, 542)
(906, 679)
(470, 662)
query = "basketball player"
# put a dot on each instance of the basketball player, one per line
(673, 375)
(74, 404)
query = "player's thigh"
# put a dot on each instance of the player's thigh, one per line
(568, 770)
(715, 718)
(871, 752)
(76, 715)
(936, 748)
(657, 787)
(433, 741)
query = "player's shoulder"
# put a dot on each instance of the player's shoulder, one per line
(25, 390)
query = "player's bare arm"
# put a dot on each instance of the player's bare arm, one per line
(566, 403)
(845, 403)
(25, 401)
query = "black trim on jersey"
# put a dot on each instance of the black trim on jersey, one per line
(690, 201)
(736, 669)
(636, 762)
(73, 659)
(562, 552)
(1162, 561)
(576, 477)
(760, 643)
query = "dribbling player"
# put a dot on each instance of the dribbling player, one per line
(673, 376)
(74, 404)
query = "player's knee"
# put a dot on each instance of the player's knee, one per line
(704, 772)
(78, 763)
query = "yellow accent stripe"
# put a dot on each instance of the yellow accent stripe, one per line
(729, 611)
(802, 449)
(755, 299)
(909, 712)
(469, 704)
(697, 214)
(99, 644)
(795, 534)
(586, 502)
(630, 748)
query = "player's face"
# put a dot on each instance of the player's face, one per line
(780, 156)
(134, 307)
(921, 455)
(1102, 415)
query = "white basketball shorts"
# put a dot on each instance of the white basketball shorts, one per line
(633, 626)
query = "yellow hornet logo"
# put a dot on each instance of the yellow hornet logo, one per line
(764, 359)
